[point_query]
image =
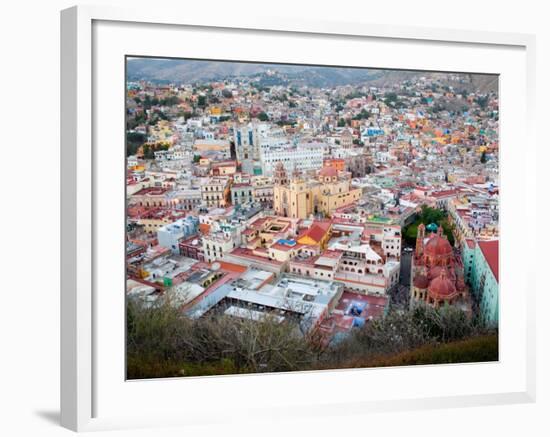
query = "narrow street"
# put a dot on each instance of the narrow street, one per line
(399, 295)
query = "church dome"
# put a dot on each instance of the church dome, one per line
(432, 227)
(442, 287)
(438, 246)
(435, 271)
(421, 281)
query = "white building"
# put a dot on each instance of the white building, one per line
(252, 138)
(169, 235)
(309, 299)
(247, 143)
(213, 191)
(306, 300)
(363, 270)
(303, 157)
(390, 240)
(218, 244)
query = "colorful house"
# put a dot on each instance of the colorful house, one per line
(338, 164)
(317, 234)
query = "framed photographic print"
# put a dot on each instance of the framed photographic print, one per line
(252, 207)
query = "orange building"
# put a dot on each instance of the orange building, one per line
(338, 164)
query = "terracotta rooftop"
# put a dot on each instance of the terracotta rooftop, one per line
(444, 193)
(151, 191)
(441, 287)
(438, 246)
(328, 172)
(316, 232)
(248, 253)
(232, 267)
(490, 252)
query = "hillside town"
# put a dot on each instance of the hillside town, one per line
(328, 205)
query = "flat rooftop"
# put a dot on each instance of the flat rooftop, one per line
(308, 297)
(250, 314)
(354, 310)
(253, 279)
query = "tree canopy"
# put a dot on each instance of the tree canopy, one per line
(262, 116)
(427, 216)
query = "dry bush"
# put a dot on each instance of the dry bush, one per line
(161, 332)
(163, 342)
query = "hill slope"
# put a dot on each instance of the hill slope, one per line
(190, 71)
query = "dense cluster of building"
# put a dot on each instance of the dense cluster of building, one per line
(289, 201)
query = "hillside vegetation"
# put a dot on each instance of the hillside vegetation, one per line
(190, 70)
(163, 343)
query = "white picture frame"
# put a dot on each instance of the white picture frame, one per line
(81, 229)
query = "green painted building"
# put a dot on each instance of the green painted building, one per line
(468, 250)
(481, 273)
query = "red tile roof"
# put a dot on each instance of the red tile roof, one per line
(242, 252)
(444, 193)
(490, 252)
(232, 267)
(151, 191)
(317, 232)
(470, 243)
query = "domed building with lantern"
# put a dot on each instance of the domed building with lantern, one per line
(437, 271)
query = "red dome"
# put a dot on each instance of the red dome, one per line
(421, 281)
(438, 246)
(442, 287)
(435, 271)
(328, 172)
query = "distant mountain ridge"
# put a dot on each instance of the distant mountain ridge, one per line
(192, 71)
(188, 71)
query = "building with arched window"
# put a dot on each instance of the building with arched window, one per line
(298, 197)
(437, 272)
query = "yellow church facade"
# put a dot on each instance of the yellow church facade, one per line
(298, 198)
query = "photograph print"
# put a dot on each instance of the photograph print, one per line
(284, 218)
